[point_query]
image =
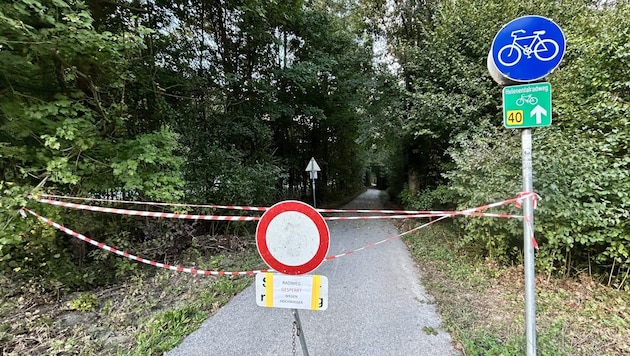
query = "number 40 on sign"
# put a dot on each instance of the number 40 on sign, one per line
(514, 117)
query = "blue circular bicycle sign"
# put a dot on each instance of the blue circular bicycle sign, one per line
(528, 48)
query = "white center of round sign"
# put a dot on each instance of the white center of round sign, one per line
(292, 237)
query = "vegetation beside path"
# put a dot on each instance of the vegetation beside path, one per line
(148, 313)
(226, 102)
(482, 303)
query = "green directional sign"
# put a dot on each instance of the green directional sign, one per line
(527, 105)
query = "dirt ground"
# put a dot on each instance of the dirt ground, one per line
(108, 320)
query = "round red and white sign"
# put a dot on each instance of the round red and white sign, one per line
(292, 237)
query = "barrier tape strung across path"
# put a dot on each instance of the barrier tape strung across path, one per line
(199, 271)
(133, 257)
(411, 214)
(330, 258)
(431, 213)
(147, 213)
(207, 272)
(114, 201)
(423, 216)
(434, 213)
(228, 207)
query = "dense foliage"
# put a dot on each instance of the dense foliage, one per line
(65, 122)
(459, 153)
(196, 101)
(226, 101)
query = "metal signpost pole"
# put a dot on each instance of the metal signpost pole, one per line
(528, 248)
(314, 200)
(299, 331)
(527, 50)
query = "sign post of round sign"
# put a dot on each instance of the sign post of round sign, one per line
(292, 237)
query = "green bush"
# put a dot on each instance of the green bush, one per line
(440, 198)
(582, 217)
(84, 302)
(585, 211)
(580, 163)
(488, 170)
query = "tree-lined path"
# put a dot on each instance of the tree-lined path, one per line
(376, 305)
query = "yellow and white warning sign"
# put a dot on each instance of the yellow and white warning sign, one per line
(274, 290)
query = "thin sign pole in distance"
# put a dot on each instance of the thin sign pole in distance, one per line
(313, 168)
(528, 248)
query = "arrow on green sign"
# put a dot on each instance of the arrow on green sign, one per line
(539, 112)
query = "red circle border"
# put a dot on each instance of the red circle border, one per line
(311, 213)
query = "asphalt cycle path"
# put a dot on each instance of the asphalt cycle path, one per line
(376, 305)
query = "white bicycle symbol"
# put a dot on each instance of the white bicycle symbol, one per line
(532, 100)
(544, 49)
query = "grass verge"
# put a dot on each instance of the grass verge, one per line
(147, 314)
(482, 304)
(161, 332)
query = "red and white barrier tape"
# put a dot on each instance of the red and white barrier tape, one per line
(193, 270)
(114, 201)
(228, 207)
(428, 213)
(531, 233)
(133, 257)
(528, 219)
(330, 258)
(446, 214)
(408, 214)
(422, 216)
(147, 213)
(425, 214)
(473, 211)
